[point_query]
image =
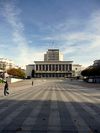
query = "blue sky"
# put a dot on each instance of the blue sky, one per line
(29, 27)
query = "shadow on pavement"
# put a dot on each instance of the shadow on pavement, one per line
(46, 116)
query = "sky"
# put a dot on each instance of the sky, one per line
(28, 28)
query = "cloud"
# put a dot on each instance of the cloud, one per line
(77, 39)
(25, 54)
(80, 45)
(94, 28)
(86, 39)
(11, 14)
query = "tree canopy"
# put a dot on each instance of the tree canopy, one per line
(16, 72)
(91, 71)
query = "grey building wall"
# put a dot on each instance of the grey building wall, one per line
(29, 69)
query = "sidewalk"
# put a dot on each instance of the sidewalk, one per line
(16, 84)
(83, 83)
(21, 85)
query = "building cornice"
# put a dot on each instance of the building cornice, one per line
(53, 62)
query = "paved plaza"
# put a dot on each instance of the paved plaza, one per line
(50, 106)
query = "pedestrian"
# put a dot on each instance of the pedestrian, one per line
(6, 88)
(32, 83)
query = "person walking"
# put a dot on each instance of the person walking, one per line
(6, 88)
(32, 83)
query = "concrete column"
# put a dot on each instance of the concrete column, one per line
(44, 67)
(48, 67)
(41, 67)
(64, 67)
(55, 67)
(61, 67)
(38, 67)
(35, 67)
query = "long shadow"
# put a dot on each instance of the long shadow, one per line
(34, 116)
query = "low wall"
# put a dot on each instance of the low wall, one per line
(12, 80)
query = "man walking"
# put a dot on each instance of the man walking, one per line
(32, 83)
(6, 88)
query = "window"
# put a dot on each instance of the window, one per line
(60, 67)
(70, 67)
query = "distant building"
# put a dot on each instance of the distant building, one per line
(96, 63)
(29, 69)
(53, 55)
(52, 66)
(76, 68)
(6, 64)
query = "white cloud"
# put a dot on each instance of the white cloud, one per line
(87, 41)
(94, 28)
(77, 43)
(25, 54)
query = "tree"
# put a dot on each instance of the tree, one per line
(16, 72)
(91, 71)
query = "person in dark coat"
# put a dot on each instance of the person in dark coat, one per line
(6, 88)
(32, 83)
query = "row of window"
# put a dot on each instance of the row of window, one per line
(61, 67)
(53, 75)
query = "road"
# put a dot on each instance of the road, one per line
(50, 106)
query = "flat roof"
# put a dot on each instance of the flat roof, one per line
(53, 62)
(53, 49)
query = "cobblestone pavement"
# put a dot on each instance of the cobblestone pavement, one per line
(50, 106)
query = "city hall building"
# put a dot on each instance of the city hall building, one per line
(52, 66)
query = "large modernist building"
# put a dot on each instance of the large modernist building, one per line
(53, 55)
(52, 66)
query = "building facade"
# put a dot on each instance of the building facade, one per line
(53, 55)
(6, 64)
(52, 66)
(29, 69)
(96, 63)
(76, 68)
